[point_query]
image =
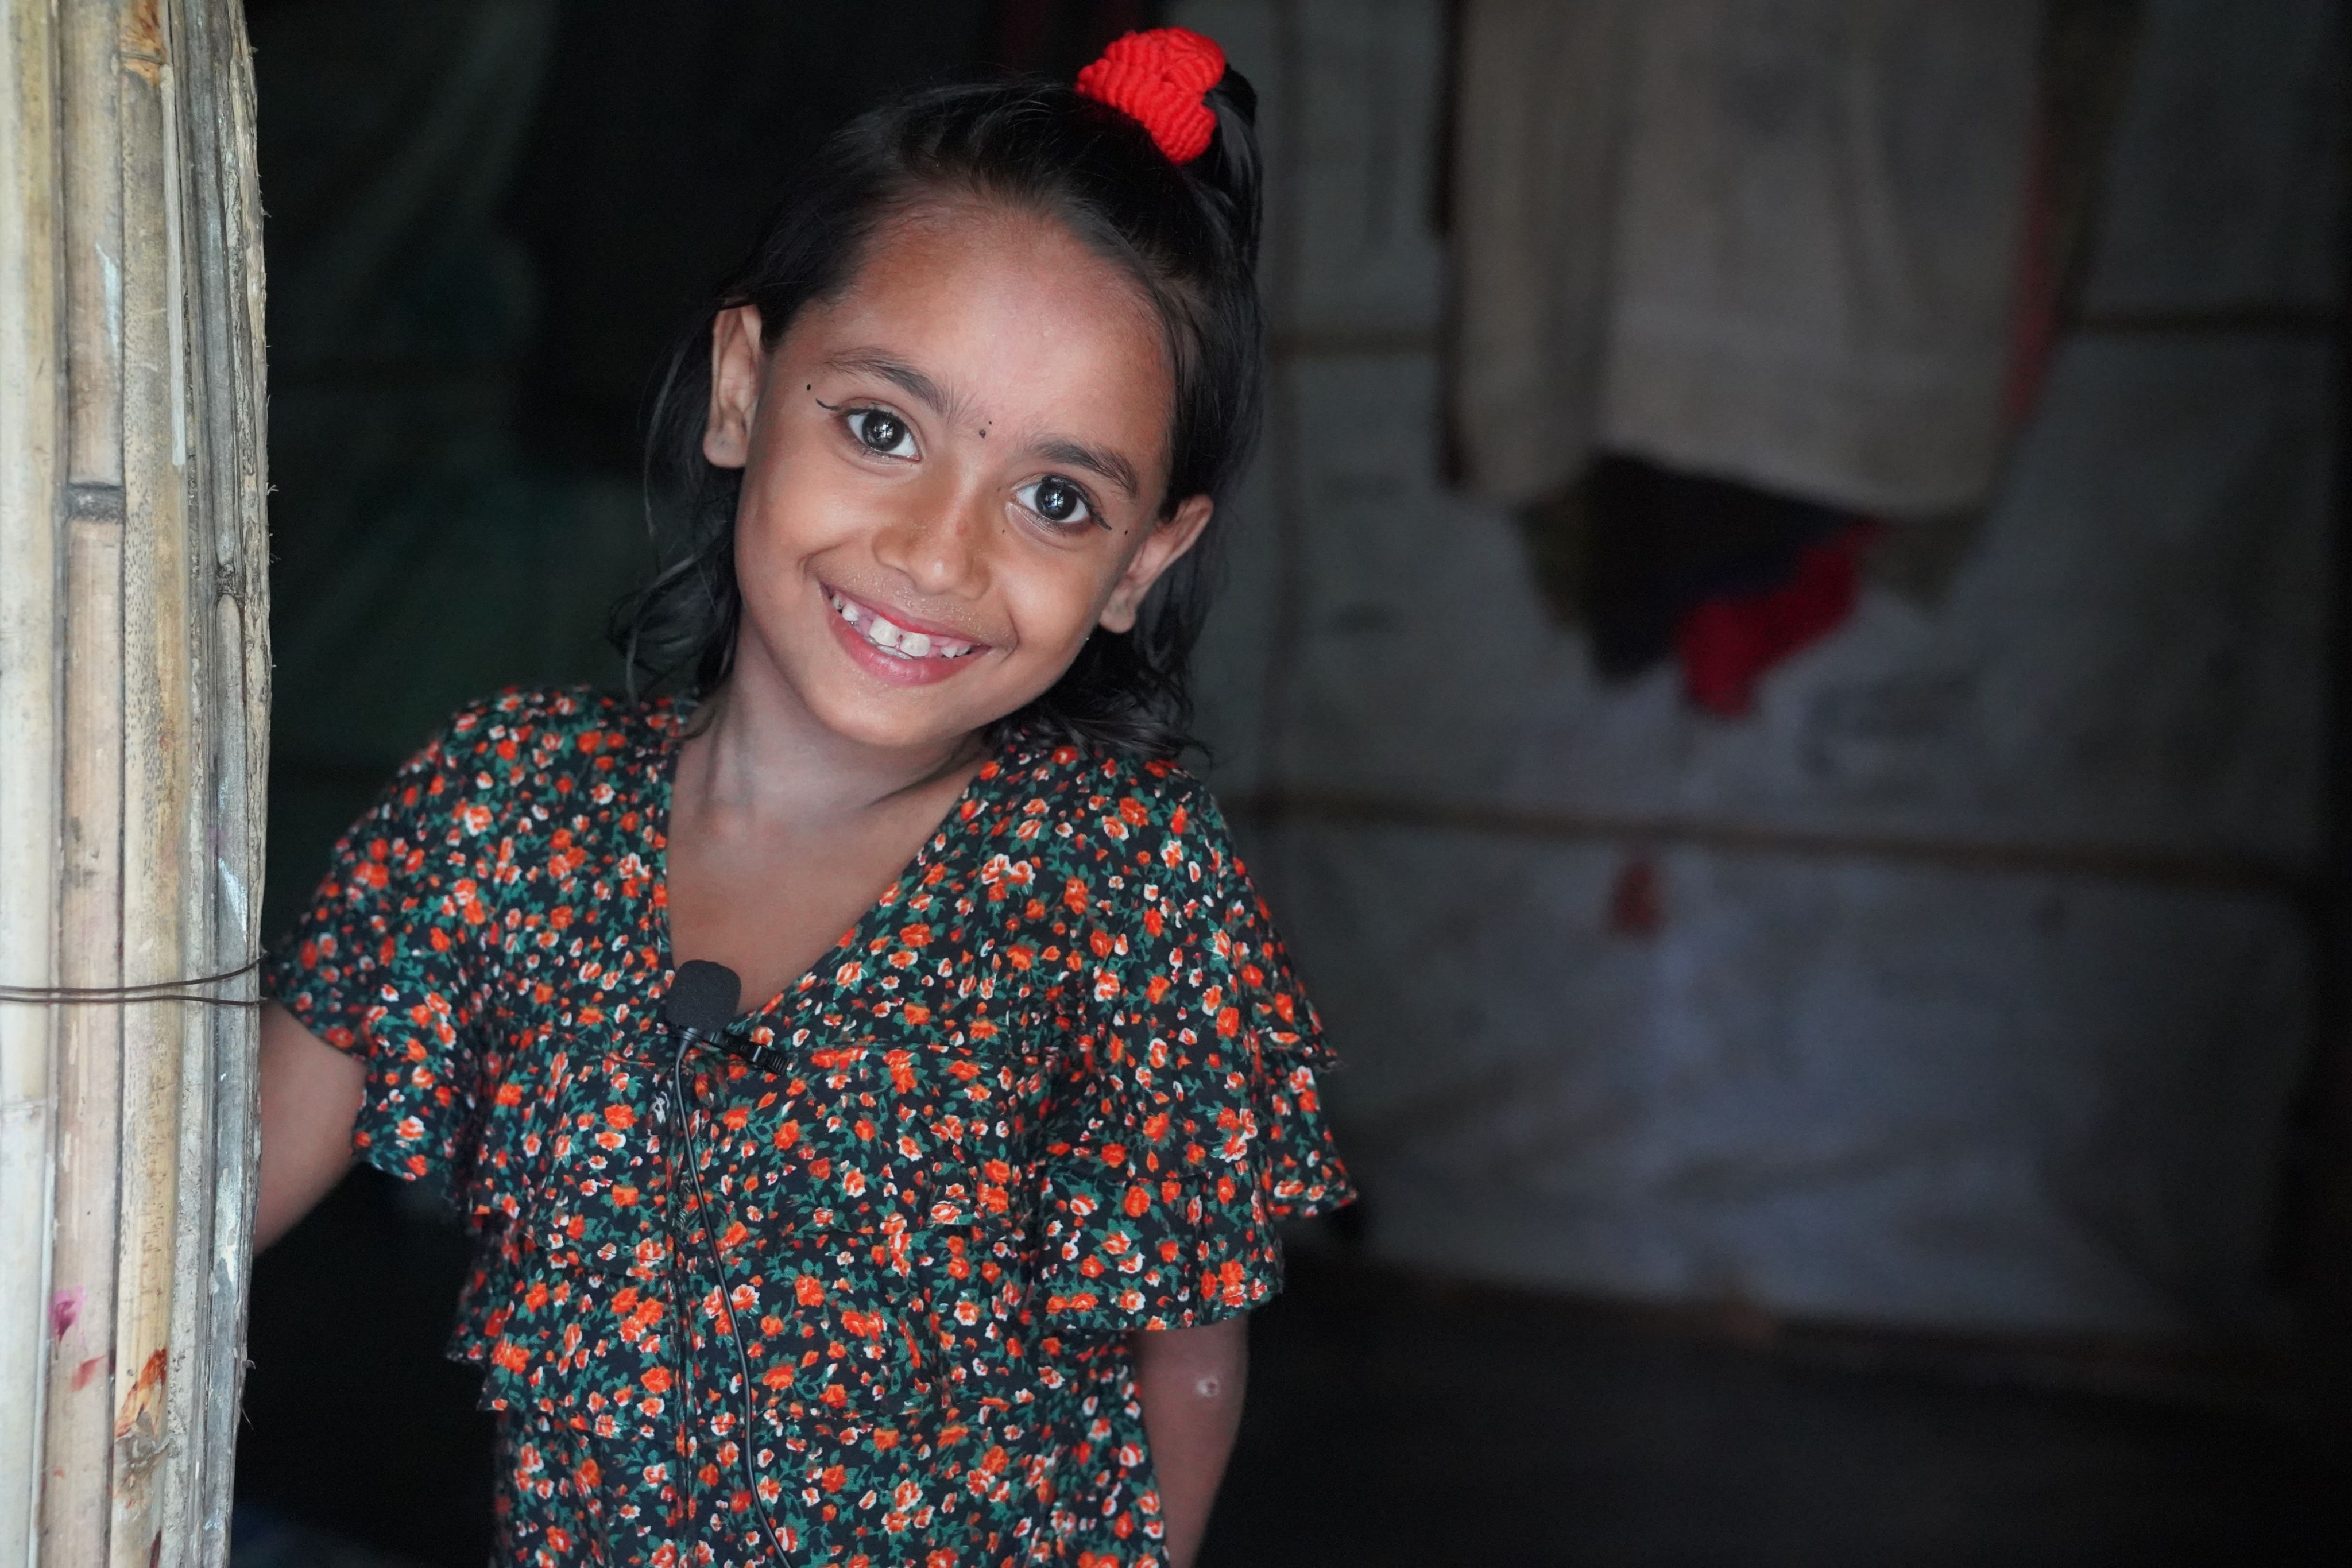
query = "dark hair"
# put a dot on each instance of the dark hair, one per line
(1187, 233)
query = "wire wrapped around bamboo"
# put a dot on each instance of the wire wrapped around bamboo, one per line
(134, 688)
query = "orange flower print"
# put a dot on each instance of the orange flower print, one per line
(1000, 1126)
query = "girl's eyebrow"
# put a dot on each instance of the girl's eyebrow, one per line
(1096, 460)
(949, 404)
(942, 400)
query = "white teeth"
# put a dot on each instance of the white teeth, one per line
(905, 643)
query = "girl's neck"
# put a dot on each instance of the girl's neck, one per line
(755, 751)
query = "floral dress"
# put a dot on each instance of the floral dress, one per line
(1058, 1084)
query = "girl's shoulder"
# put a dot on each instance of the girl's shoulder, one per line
(1051, 777)
(1105, 808)
(512, 747)
(579, 718)
(525, 732)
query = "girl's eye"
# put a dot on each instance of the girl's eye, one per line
(1057, 501)
(881, 432)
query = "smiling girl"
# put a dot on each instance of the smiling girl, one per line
(943, 1253)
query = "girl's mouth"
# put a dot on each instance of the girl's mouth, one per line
(886, 636)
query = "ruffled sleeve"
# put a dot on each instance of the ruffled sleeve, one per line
(379, 963)
(1186, 1120)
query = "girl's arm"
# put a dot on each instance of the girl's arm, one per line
(311, 1095)
(1191, 1382)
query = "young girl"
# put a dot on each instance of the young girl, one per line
(942, 1254)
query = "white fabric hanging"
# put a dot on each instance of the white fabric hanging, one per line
(1771, 240)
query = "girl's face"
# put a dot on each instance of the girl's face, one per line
(952, 473)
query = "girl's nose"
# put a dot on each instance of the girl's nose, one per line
(939, 540)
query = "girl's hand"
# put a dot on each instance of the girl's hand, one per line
(1190, 1383)
(311, 1095)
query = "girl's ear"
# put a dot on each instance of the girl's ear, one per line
(736, 360)
(1162, 548)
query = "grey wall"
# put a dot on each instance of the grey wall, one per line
(1980, 987)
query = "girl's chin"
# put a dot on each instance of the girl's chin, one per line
(886, 735)
(903, 719)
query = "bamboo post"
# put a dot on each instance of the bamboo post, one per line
(133, 689)
(32, 420)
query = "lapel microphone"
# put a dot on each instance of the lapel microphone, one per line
(702, 1000)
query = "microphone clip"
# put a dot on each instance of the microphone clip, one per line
(741, 1047)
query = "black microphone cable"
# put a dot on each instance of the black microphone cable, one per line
(701, 1002)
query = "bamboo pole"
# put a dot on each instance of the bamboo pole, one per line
(133, 681)
(221, 1134)
(81, 1416)
(32, 426)
(161, 714)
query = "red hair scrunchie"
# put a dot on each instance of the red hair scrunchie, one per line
(1158, 79)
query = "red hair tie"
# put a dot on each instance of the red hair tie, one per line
(1158, 79)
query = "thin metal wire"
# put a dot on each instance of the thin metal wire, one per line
(177, 990)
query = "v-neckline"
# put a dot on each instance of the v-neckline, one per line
(806, 984)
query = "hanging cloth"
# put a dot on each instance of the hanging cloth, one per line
(1775, 240)
(1532, 199)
